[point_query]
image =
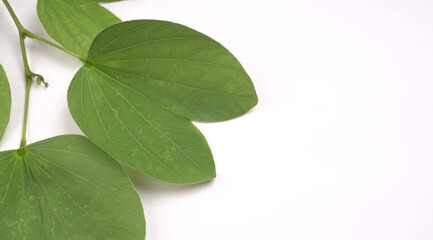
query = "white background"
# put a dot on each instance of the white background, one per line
(340, 146)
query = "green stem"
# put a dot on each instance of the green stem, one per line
(29, 75)
(34, 36)
(29, 34)
(27, 70)
(14, 16)
(26, 113)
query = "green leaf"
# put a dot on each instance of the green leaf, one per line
(143, 83)
(176, 67)
(67, 188)
(5, 101)
(74, 23)
(137, 131)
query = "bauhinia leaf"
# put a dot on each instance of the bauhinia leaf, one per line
(176, 67)
(137, 131)
(143, 82)
(74, 23)
(67, 188)
(5, 101)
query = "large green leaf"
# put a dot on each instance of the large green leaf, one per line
(176, 67)
(67, 188)
(5, 101)
(143, 83)
(74, 23)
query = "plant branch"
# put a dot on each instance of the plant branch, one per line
(14, 16)
(26, 113)
(29, 75)
(27, 33)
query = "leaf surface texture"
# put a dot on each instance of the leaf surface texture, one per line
(5, 101)
(67, 188)
(74, 23)
(176, 67)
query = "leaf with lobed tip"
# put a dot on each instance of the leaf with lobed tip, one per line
(67, 188)
(74, 23)
(5, 101)
(143, 83)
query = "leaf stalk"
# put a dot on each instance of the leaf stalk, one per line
(34, 36)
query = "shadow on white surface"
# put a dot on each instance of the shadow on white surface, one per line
(150, 185)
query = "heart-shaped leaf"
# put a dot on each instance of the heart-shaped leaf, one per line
(74, 23)
(143, 80)
(5, 101)
(67, 188)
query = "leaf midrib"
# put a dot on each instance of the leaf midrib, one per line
(151, 41)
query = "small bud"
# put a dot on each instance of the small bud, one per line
(39, 80)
